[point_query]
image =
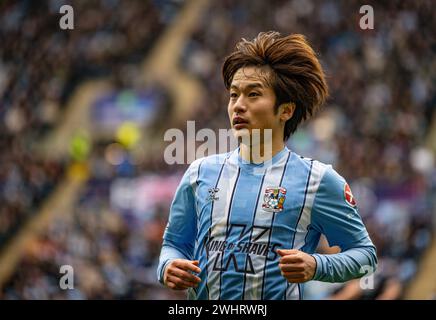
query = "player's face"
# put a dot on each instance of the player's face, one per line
(251, 103)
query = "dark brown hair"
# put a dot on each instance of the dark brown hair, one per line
(296, 75)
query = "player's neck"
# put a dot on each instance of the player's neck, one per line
(261, 152)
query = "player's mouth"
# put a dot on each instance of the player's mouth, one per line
(239, 123)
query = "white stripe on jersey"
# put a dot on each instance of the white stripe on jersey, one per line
(194, 172)
(254, 282)
(220, 212)
(316, 174)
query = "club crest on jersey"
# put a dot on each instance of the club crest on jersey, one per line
(273, 199)
(349, 198)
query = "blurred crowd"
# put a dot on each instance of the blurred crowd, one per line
(372, 129)
(111, 238)
(41, 65)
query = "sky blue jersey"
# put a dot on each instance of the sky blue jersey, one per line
(232, 216)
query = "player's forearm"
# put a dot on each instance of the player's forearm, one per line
(168, 253)
(347, 265)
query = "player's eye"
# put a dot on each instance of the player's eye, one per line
(254, 94)
(233, 95)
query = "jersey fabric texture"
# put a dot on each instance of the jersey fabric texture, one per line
(232, 216)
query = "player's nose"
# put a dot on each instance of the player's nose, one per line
(239, 106)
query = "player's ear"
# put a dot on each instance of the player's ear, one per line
(286, 111)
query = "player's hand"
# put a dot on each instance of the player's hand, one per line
(177, 275)
(296, 266)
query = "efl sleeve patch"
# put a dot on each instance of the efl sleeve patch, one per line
(349, 198)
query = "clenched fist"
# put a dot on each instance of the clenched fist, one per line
(177, 274)
(296, 266)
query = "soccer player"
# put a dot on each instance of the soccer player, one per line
(236, 234)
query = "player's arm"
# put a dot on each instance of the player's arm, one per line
(336, 216)
(176, 266)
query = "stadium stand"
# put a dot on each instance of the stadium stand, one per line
(374, 130)
(41, 66)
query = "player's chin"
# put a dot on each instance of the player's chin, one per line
(243, 133)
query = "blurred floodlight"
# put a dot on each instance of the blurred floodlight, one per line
(422, 160)
(128, 134)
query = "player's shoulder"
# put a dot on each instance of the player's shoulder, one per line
(332, 188)
(208, 161)
(316, 167)
(323, 172)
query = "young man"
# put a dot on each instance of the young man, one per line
(236, 234)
